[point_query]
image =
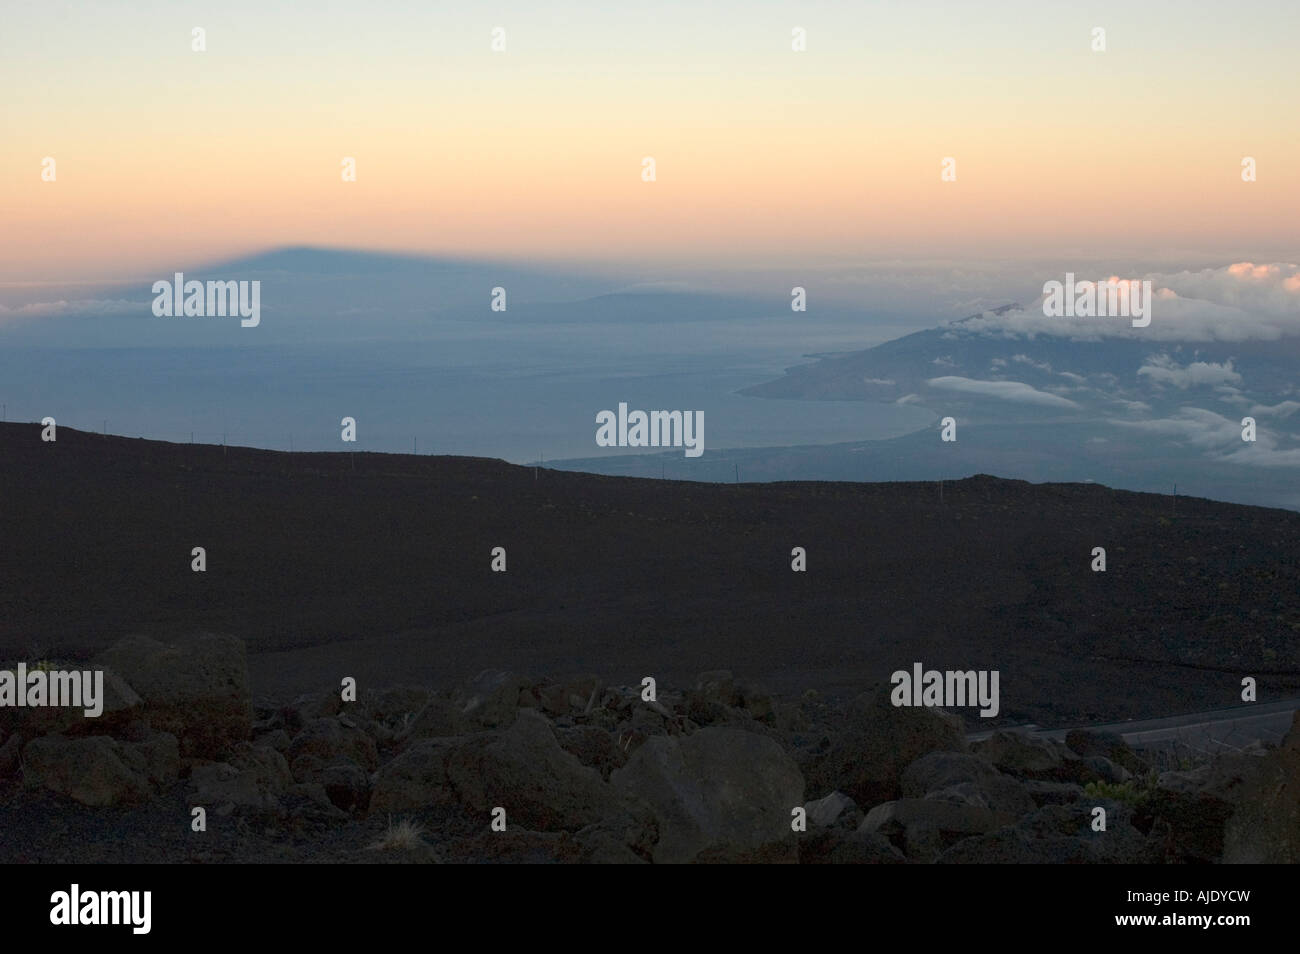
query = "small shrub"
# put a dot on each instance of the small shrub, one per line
(403, 836)
(1133, 792)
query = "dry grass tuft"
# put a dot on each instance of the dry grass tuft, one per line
(402, 836)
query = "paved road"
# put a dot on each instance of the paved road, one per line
(1216, 729)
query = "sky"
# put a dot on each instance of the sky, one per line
(764, 156)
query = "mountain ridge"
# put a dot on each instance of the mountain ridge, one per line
(333, 562)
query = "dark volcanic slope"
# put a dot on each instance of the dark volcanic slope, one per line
(377, 566)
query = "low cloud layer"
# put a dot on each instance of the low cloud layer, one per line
(62, 309)
(1220, 437)
(1004, 390)
(1239, 302)
(1164, 370)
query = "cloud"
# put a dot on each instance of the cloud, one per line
(1238, 302)
(1164, 370)
(1231, 395)
(667, 287)
(1138, 406)
(1191, 425)
(1025, 359)
(1284, 409)
(1260, 455)
(1004, 390)
(1219, 436)
(67, 309)
(1267, 289)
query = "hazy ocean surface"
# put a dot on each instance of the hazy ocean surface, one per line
(505, 392)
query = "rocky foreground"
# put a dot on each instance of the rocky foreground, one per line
(585, 772)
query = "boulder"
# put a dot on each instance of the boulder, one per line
(156, 755)
(1189, 810)
(516, 846)
(1106, 770)
(11, 755)
(524, 770)
(924, 828)
(721, 687)
(255, 778)
(391, 706)
(719, 794)
(1265, 824)
(593, 747)
(718, 685)
(867, 758)
(790, 720)
(98, 770)
(1052, 793)
(1056, 834)
(495, 696)
(195, 688)
(865, 848)
(839, 846)
(308, 810)
(605, 848)
(415, 779)
(330, 740)
(825, 812)
(963, 793)
(646, 720)
(1021, 755)
(966, 778)
(318, 705)
(346, 785)
(1109, 745)
(277, 739)
(1011, 846)
(119, 705)
(437, 718)
(569, 695)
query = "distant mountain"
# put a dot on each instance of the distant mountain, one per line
(1082, 401)
(968, 365)
(444, 283)
(313, 296)
(307, 296)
